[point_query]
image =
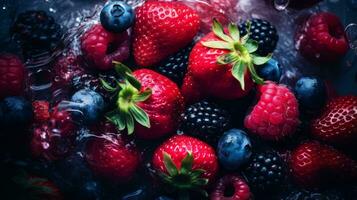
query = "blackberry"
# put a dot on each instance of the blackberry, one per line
(266, 171)
(206, 120)
(263, 32)
(36, 32)
(310, 195)
(175, 66)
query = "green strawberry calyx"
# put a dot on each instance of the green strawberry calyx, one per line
(185, 178)
(241, 52)
(130, 93)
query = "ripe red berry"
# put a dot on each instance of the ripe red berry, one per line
(240, 189)
(12, 75)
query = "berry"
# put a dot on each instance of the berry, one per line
(206, 120)
(101, 47)
(117, 16)
(175, 66)
(322, 38)
(311, 93)
(315, 164)
(53, 139)
(234, 149)
(309, 195)
(231, 187)
(124, 157)
(17, 112)
(41, 110)
(162, 29)
(37, 32)
(65, 69)
(12, 76)
(270, 71)
(87, 106)
(266, 172)
(186, 162)
(263, 32)
(276, 115)
(337, 122)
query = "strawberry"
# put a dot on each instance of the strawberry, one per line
(53, 138)
(124, 157)
(276, 115)
(240, 188)
(41, 110)
(185, 162)
(101, 47)
(12, 75)
(313, 164)
(322, 38)
(222, 65)
(337, 122)
(161, 29)
(149, 98)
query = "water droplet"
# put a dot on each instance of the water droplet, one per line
(52, 10)
(4, 7)
(351, 34)
(281, 5)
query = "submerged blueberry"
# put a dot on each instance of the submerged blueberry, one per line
(270, 71)
(117, 16)
(17, 112)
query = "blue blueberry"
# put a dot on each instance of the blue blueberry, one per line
(88, 106)
(311, 93)
(17, 112)
(117, 16)
(234, 149)
(270, 71)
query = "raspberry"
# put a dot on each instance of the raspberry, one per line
(12, 75)
(276, 114)
(41, 110)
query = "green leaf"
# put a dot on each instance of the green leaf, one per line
(117, 119)
(245, 38)
(121, 69)
(197, 173)
(140, 115)
(217, 45)
(170, 165)
(254, 74)
(238, 72)
(142, 96)
(129, 123)
(227, 58)
(218, 31)
(200, 181)
(234, 31)
(107, 86)
(251, 45)
(133, 81)
(258, 60)
(186, 163)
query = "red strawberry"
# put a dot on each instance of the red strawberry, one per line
(112, 156)
(161, 29)
(322, 38)
(276, 115)
(240, 189)
(54, 138)
(149, 98)
(337, 123)
(41, 110)
(222, 65)
(65, 68)
(101, 47)
(313, 164)
(187, 159)
(12, 76)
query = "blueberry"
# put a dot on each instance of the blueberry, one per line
(311, 93)
(17, 112)
(234, 149)
(270, 71)
(117, 16)
(89, 104)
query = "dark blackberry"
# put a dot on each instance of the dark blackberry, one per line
(206, 120)
(266, 172)
(36, 32)
(263, 32)
(310, 195)
(175, 66)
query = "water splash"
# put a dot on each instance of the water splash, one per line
(281, 5)
(351, 34)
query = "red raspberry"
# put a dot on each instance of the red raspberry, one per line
(276, 114)
(41, 110)
(102, 47)
(240, 188)
(65, 68)
(322, 38)
(12, 75)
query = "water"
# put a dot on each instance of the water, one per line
(281, 4)
(351, 33)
